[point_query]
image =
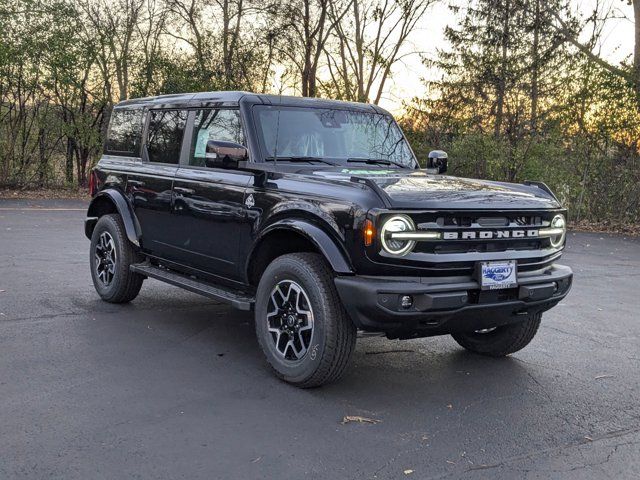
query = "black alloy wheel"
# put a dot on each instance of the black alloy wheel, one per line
(111, 255)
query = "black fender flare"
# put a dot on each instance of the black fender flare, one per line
(337, 258)
(124, 209)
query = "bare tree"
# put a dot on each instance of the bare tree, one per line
(150, 29)
(188, 15)
(369, 42)
(115, 24)
(571, 32)
(306, 27)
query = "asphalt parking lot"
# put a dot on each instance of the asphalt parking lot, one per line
(174, 386)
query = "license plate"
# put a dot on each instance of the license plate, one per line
(498, 275)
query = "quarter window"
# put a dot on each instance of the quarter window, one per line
(125, 131)
(221, 125)
(166, 129)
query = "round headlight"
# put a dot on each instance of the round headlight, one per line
(558, 223)
(398, 223)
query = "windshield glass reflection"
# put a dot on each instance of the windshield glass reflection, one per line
(344, 136)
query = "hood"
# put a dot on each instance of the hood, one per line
(417, 189)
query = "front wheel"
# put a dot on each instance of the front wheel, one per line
(110, 257)
(500, 341)
(306, 335)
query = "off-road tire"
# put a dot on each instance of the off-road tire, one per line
(125, 284)
(503, 340)
(333, 336)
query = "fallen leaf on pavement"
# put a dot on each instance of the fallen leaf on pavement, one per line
(358, 419)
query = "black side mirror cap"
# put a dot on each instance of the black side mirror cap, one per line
(221, 154)
(437, 161)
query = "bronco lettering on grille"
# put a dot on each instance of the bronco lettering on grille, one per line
(489, 234)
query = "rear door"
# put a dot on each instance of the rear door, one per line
(150, 186)
(209, 208)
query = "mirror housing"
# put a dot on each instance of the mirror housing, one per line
(221, 154)
(437, 162)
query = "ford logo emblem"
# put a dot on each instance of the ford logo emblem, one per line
(498, 273)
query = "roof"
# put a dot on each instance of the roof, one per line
(229, 98)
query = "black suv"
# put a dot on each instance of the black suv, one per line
(316, 215)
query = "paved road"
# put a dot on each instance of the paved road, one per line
(173, 385)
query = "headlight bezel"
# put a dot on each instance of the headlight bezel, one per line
(556, 232)
(392, 221)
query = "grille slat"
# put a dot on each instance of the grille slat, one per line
(452, 223)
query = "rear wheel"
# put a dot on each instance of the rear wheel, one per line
(500, 341)
(110, 257)
(303, 330)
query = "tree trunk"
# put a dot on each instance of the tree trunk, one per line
(636, 51)
(42, 154)
(68, 170)
(535, 70)
(83, 161)
(501, 86)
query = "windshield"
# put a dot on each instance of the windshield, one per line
(340, 136)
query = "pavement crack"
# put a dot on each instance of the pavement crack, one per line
(543, 451)
(49, 316)
(380, 352)
(572, 334)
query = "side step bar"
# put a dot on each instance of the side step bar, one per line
(237, 300)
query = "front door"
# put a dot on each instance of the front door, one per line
(208, 203)
(150, 186)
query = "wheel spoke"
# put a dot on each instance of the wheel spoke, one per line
(304, 347)
(298, 352)
(105, 256)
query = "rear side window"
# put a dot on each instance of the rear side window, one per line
(125, 131)
(166, 129)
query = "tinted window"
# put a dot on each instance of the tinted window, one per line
(339, 135)
(125, 130)
(223, 125)
(166, 129)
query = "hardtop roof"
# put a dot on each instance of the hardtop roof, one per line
(231, 98)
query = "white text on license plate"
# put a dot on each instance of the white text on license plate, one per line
(497, 275)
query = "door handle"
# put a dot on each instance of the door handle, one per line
(135, 183)
(184, 191)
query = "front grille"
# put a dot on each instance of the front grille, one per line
(457, 251)
(487, 221)
(480, 224)
(480, 247)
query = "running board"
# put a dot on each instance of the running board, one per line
(235, 299)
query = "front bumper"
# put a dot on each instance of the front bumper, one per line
(447, 304)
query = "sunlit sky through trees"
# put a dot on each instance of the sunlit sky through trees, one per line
(407, 81)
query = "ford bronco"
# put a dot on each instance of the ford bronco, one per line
(315, 215)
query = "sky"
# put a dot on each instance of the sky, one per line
(407, 81)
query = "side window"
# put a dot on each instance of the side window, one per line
(222, 125)
(166, 129)
(125, 131)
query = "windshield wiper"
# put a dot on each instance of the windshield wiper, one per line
(300, 159)
(376, 161)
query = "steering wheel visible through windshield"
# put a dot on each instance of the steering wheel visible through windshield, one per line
(332, 136)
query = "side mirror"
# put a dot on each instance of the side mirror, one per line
(437, 162)
(221, 154)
